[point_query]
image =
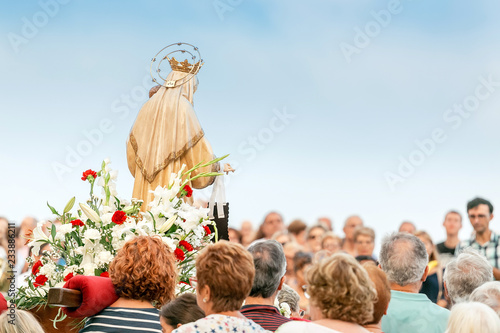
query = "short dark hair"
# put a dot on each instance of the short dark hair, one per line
(270, 266)
(479, 201)
(182, 310)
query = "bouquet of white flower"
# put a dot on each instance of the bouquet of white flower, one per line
(85, 242)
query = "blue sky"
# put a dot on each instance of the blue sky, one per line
(352, 118)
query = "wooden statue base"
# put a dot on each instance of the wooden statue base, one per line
(45, 314)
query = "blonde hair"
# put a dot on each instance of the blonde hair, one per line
(427, 237)
(23, 321)
(365, 231)
(472, 317)
(342, 289)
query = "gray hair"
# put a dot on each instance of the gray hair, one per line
(403, 258)
(270, 266)
(472, 317)
(489, 294)
(465, 273)
(289, 296)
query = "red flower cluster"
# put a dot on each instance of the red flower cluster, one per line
(189, 190)
(78, 223)
(88, 173)
(207, 230)
(40, 280)
(104, 274)
(36, 267)
(186, 245)
(68, 277)
(179, 254)
(119, 217)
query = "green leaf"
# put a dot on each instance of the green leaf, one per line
(53, 232)
(54, 211)
(69, 205)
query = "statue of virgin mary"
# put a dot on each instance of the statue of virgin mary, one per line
(167, 134)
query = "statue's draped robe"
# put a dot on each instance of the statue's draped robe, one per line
(166, 135)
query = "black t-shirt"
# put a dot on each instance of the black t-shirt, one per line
(444, 249)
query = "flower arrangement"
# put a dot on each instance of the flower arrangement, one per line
(85, 242)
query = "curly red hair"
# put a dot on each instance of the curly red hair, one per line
(144, 269)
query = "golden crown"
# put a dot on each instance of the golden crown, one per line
(185, 66)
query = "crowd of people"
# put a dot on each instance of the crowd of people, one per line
(301, 278)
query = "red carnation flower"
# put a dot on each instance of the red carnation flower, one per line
(77, 222)
(36, 267)
(119, 217)
(40, 280)
(179, 254)
(186, 245)
(104, 274)
(207, 230)
(68, 277)
(88, 173)
(189, 190)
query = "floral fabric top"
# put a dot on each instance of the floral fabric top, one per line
(221, 324)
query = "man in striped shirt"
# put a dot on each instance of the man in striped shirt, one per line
(270, 266)
(483, 239)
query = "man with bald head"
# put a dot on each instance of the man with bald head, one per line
(350, 225)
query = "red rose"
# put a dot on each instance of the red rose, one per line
(179, 254)
(104, 274)
(88, 173)
(189, 190)
(68, 277)
(36, 267)
(77, 222)
(207, 230)
(119, 217)
(40, 280)
(186, 245)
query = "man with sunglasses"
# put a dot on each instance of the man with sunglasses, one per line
(483, 239)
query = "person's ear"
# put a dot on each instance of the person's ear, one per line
(424, 276)
(179, 325)
(282, 281)
(446, 292)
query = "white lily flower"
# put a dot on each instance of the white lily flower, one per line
(168, 224)
(39, 238)
(90, 213)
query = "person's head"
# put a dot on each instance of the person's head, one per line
(472, 317)
(247, 233)
(480, 213)
(282, 237)
(24, 322)
(180, 311)
(350, 225)
(489, 294)
(270, 267)
(297, 229)
(290, 249)
(314, 235)
(144, 269)
(403, 258)
(429, 244)
(273, 222)
(452, 223)
(234, 235)
(408, 227)
(383, 289)
(340, 289)
(331, 242)
(326, 222)
(364, 241)
(465, 273)
(301, 262)
(289, 296)
(225, 273)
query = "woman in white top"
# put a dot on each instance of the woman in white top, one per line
(341, 297)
